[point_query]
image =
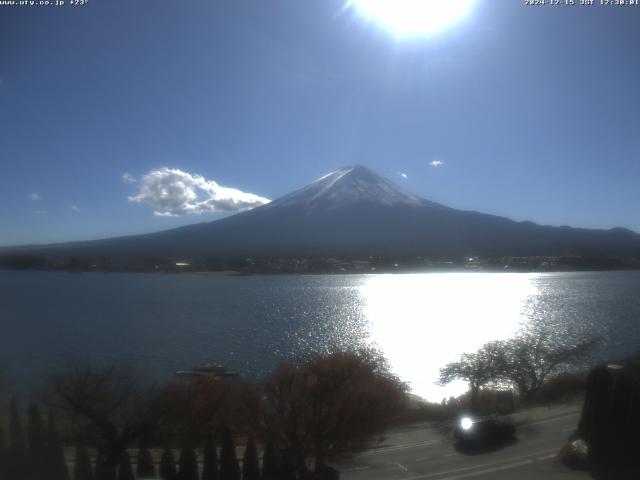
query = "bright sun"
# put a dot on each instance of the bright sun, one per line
(413, 17)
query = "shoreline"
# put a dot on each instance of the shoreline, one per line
(238, 273)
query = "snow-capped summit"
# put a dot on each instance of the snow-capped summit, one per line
(351, 185)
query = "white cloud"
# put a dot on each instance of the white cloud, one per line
(403, 175)
(127, 178)
(436, 163)
(172, 192)
(74, 207)
(35, 197)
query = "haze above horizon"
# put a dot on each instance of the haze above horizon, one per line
(128, 117)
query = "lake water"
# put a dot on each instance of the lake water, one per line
(163, 323)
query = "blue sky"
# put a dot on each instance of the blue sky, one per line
(533, 112)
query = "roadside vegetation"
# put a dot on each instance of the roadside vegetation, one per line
(605, 442)
(290, 425)
(104, 423)
(533, 362)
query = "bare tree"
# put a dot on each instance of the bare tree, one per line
(526, 361)
(329, 406)
(478, 369)
(533, 356)
(106, 406)
(195, 409)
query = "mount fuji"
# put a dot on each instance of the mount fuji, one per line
(355, 212)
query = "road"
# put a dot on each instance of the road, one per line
(422, 452)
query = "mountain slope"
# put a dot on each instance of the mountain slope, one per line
(353, 211)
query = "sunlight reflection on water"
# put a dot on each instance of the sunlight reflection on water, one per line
(424, 321)
(168, 322)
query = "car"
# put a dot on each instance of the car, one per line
(487, 430)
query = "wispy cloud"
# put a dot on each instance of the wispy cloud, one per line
(172, 192)
(127, 178)
(436, 163)
(74, 207)
(35, 197)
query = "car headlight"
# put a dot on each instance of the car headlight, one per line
(466, 423)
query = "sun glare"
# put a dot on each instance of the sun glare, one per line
(407, 18)
(422, 322)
